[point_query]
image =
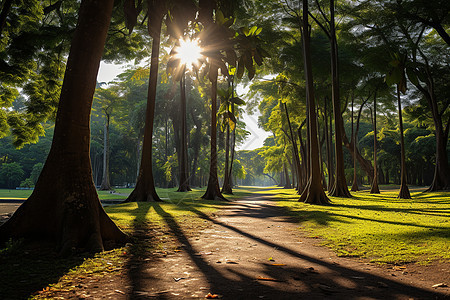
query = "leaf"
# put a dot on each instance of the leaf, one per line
(258, 58)
(412, 76)
(252, 30)
(222, 108)
(245, 30)
(220, 19)
(231, 124)
(212, 296)
(267, 279)
(240, 68)
(258, 31)
(237, 101)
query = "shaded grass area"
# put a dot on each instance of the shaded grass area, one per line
(380, 227)
(27, 271)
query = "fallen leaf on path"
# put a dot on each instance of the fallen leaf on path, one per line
(267, 279)
(271, 259)
(178, 279)
(119, 292)
(212, 296)
(440, 285)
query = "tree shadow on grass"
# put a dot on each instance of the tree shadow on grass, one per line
(29, 269)
(311, 284)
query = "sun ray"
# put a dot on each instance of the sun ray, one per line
(189, 52)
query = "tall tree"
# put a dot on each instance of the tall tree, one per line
(374, 189)
(145, 186)
(64, 206)
(313, 192)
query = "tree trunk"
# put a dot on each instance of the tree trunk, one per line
(226, 188)
(106, 184)
(404, 191)
(212, 189)
(339, 188)
(328, 148)
(145, 185)
(294, 148)
(355, 186)
(287, 183)
(183, 162)
(64, 206)
(375, 189)
(313, 192)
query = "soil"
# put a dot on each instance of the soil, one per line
(253, 250)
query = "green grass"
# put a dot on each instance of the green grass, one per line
(380, 227)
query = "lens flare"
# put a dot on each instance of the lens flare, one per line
(189, 52)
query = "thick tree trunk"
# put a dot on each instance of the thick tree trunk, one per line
(313, 192)
(212, 189)
(106, 184)
(64, 206)
(339, 188)
(145, 185)
(375, 189)
(183, 165)
(404, 191)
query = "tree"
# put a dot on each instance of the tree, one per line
(11, 174)
(64, 207)
(145, 185)
(313, 192)
(397, 76)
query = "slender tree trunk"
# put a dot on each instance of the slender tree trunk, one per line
(355, 186)
(226, 188)
(404, 191)
(212, 189)
(339, 188)
(313, 192)
(375, 189)
(106, 185)
(328, 147)
(305, 161)
(145, 185)
(64, 206)
(294, 147)
(183, 165)
(287, 184)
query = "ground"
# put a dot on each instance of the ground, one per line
(251, 249)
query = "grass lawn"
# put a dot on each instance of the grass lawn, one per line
(380, 227)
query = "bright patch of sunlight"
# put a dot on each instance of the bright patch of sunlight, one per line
(189, 52)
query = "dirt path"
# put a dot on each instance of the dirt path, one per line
(251, 250)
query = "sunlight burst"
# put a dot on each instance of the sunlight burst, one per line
(189, 52)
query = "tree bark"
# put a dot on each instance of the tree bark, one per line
(145, 185)
(404, 191)
(339, 188)
(375, 189)
(313, 192)
(64, 206)
(212, 189)
(355, 186)
(183, 165)
(106, 184)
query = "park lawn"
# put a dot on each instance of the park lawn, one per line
(381, 227)
(150, 225)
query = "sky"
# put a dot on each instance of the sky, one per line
(108, 72)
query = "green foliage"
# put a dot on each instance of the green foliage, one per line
(11, 174)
